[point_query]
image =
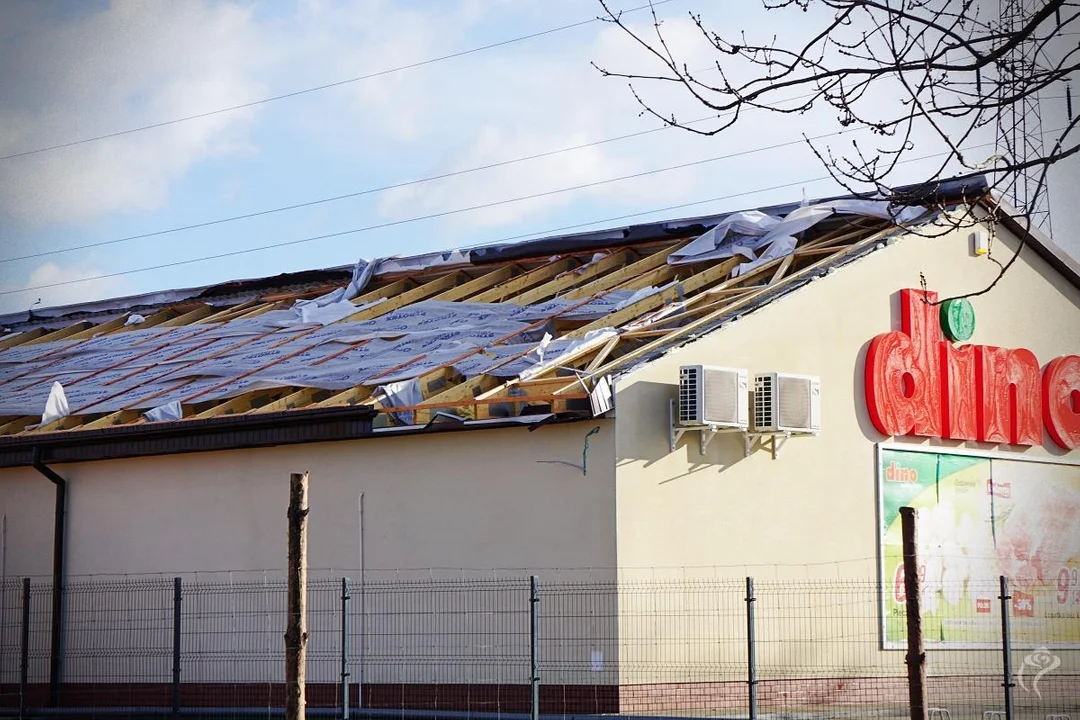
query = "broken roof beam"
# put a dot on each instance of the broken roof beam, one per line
(577, 276)
(191, 316)
(20, 338)
(63, 333)
(513, 391)
(18, 425)
(353, 396)
(408, 297)
(658, 299)
(121, 417)
(301, 398)
(509, 290)
(261, 310)
(243, 403)
(227, 314)
(386, 291)
(625, 274)
(478, 285)
(105, 327)
(463, 392)
(702, 323)
(847, 233)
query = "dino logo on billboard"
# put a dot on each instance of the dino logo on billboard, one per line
(919, 383)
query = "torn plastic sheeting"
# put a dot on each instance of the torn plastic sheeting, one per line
(429, 261)
(778, 248)
(715, 243)
(591, 339)
(496, 360)
(750, 231)
(134, 319)
(386, 372)
(664, 313)
(138, 398)
(56, 405)
(561, 307)
(406, 393)
(166, 412)
(25, 401)
(322, 379)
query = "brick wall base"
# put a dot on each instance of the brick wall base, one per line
(1059, 691)
(480, 698)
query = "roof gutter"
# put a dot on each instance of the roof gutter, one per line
(228, 432)
(234, 432)
(57, 620)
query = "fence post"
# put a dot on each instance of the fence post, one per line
(751, 660)
(916, 655)
(177, 598)
(24, 648)
(534, 647)
(345, 648)
(1006, 648)
(296, 626)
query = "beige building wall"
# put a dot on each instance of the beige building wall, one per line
(810, 514)
(466, 515)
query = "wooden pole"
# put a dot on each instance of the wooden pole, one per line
(296, 629)
(916, 657)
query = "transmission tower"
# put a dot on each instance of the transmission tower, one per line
(1019, 130)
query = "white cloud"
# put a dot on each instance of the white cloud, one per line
(131, 64)
(537, 100)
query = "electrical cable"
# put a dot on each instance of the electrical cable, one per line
(456, 211)
(305, 91)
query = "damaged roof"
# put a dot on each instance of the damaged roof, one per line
(495, 332)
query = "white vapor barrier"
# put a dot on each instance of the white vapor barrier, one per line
(147, 368)
(745, 233)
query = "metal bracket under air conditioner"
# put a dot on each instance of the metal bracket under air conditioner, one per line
(706, 432)
(773, 441)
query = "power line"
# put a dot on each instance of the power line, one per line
(369, 191)
(317, 88)
(346, 196)
(457, 211)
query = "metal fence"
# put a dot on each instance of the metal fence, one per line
(689, 647)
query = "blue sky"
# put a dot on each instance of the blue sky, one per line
(70, 70)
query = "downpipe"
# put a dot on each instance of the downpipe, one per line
(57, 625)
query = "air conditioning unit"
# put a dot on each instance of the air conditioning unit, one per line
(714, 396)
(787, 403)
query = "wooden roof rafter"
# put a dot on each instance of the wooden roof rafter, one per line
(702, 291)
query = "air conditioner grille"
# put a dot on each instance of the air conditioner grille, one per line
(722, 396)
(688, 394)
(794, 395)
(763, 401)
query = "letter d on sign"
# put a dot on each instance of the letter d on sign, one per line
(903, 377)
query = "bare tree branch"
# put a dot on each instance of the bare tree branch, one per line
(954, 73)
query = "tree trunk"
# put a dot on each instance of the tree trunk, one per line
(296, 628)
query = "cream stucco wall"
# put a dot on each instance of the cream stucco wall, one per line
(810, 514)
(478, 500)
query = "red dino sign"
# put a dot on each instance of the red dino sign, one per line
(918, 383)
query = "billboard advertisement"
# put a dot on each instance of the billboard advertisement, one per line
(979, 518)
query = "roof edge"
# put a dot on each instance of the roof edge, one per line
(236, 432)
(1054, 255)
